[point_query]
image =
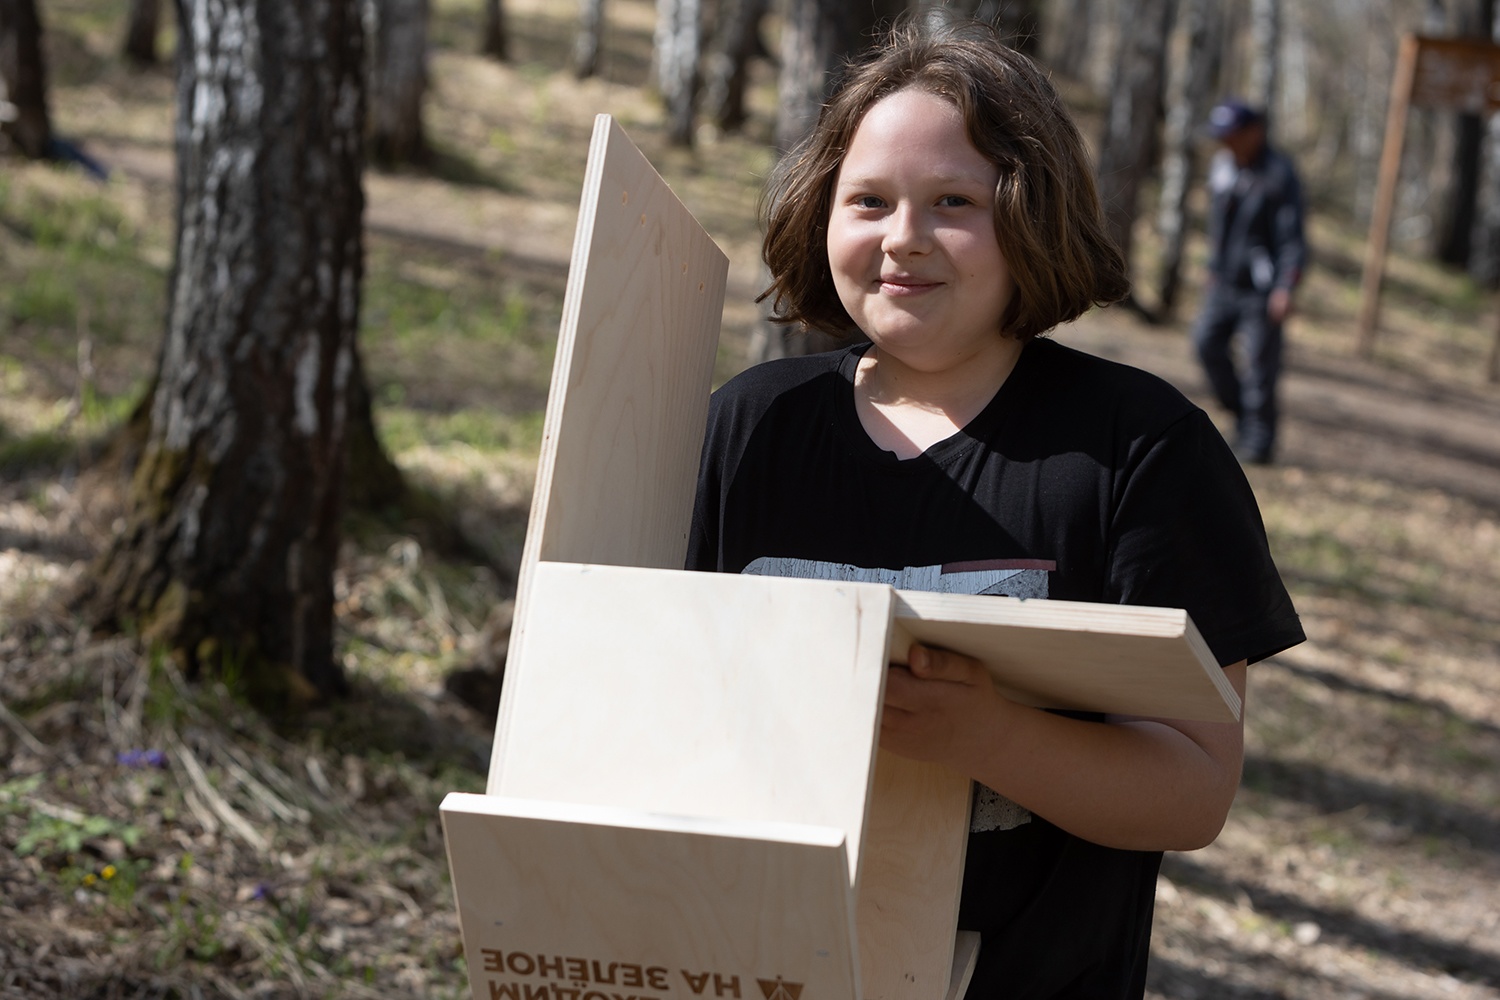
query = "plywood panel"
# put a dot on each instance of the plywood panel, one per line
(621, 903)
(630, 382)
(910, 879)
(1065, 654)
(700, 694)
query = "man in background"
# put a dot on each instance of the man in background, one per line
(1257, 252)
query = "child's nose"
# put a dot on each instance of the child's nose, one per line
(907, 232)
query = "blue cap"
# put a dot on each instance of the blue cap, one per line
(1229, 117)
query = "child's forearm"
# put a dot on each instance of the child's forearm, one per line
(1137, 785)
(1131, 783)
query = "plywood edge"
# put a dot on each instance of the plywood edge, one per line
(474, 804)
(583, 233)
(1080, 633)
(1073, 616)
(965, 957)
(1215, 672)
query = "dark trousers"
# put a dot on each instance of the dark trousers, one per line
(1245, 387)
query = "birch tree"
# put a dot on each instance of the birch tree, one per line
(679, 45)
(1127, 150)
(590, 39)
(398, 79)
(816, 37)
(232, 527)
(736, 41)
(1192, 96)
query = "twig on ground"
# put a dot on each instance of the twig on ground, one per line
(220, 805)
(23, 734)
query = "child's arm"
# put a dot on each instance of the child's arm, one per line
(1135, 784)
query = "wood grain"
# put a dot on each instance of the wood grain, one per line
(630, 382)
(700, 694)
(620, 902)
(910, 878)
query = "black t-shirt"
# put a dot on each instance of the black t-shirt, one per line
(1082, 480)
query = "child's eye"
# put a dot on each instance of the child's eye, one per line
(953, 201)
(868, 201)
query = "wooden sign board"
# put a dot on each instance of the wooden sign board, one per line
(685, 795)
(1457, 74)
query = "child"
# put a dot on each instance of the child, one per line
(944, 206)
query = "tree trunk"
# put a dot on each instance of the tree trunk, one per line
(1191, 97)
(1460, 203)
(1265, 50)
(398, 80)
(232, 530)
(1018, 21)
(142, 25)
(1070, 44)
(24, 121)
(735, 42)
(1484, 253)
(679, 43)
(495, 38)
(816, 35)
(590, 41)
(1129, 146)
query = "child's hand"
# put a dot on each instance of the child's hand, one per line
(939, 708)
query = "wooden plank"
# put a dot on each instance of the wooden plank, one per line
(1066, 654)
(630, 381)
(911, 878)
(620, 902)
(965, 957)
(700, 694)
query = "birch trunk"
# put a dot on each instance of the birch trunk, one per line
(232, 529)
(398, 80)
(1191, 99)
(590, 40)
(728, 63)
(1127, 151)
(678, 47)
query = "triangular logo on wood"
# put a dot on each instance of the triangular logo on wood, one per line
(777, 989)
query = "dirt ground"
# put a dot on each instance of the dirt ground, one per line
(1361, 860)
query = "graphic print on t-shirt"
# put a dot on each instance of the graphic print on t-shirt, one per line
(1026, 578)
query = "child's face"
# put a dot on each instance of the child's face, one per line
(911, 234)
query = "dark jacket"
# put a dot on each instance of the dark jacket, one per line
(1255, 228)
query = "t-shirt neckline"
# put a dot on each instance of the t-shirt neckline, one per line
(949, 449)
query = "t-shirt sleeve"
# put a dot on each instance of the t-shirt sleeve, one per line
(1187, 533)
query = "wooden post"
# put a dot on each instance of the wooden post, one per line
(1494, 370)
(1385, 195)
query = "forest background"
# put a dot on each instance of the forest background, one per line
(165, 835)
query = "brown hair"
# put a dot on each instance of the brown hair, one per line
(1047, 215)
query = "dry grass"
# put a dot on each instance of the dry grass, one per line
(306, 860)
